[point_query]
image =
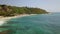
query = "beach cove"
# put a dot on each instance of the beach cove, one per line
(4, 19)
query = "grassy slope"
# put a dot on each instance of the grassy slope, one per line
(13, 10)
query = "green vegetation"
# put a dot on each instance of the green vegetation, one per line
(13, 10)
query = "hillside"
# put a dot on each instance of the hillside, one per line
(6, 10)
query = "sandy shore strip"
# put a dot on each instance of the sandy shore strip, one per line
(4, 19)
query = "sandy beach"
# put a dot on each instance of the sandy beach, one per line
(4, 19)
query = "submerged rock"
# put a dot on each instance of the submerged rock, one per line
(6, 32)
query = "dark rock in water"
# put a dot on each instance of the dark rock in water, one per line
(6, 32)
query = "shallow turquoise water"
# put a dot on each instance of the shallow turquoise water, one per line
(37, 24)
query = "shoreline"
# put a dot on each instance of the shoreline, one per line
(4, 19)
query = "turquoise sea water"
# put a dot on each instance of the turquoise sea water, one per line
(37, 24)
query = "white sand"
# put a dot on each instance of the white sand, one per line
(4, 19)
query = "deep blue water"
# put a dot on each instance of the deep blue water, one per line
(37, 24)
